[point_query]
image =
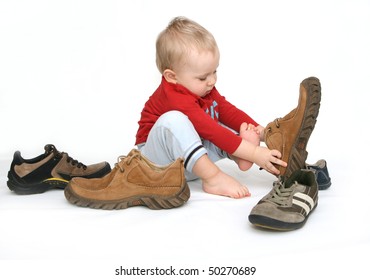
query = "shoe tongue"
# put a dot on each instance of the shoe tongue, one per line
(133, 152)
(288, 182)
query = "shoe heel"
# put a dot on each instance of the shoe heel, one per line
(36, 188)
(157, 203)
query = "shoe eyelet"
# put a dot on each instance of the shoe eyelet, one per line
(277, 122)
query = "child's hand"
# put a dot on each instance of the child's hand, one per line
(266, 159)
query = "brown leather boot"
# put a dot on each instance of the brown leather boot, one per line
(134, 181)
(290, 134)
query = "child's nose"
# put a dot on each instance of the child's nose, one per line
(212, 81)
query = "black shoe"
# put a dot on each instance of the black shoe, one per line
(53, 169)
(321, 172)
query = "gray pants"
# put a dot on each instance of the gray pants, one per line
(174, 136)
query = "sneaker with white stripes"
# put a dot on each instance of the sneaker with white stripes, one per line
(288, 205)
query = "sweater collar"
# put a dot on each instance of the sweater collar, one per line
(181, 89)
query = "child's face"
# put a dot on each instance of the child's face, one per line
(199, 73)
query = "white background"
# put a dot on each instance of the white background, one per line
(77, 73)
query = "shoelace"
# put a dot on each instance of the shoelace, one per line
(277, 124)
(51, 149)
(70, 160)
(280, 194)
(74, 161)
(121, 160)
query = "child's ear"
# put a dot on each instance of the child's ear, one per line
(170, 76)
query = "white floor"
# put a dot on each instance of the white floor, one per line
(76, 74)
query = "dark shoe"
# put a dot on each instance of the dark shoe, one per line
(322, 174)
(288, 205)
(290, 134)
(134, 181)
(53, 169)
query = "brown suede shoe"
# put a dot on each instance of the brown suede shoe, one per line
(134, 181)
(290, 134)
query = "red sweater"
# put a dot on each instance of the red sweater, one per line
(205, 113)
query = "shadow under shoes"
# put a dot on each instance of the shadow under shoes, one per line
(290, 134)
(50, 170)
(134, 181)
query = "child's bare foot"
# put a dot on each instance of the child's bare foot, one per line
(225, 185)
(251, 136)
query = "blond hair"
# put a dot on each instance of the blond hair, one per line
(181, 35)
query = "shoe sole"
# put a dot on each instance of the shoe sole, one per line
(35, 188)
(298, 153)
(323, 187)
(18, 187)
(154, 202)
(276, 225)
